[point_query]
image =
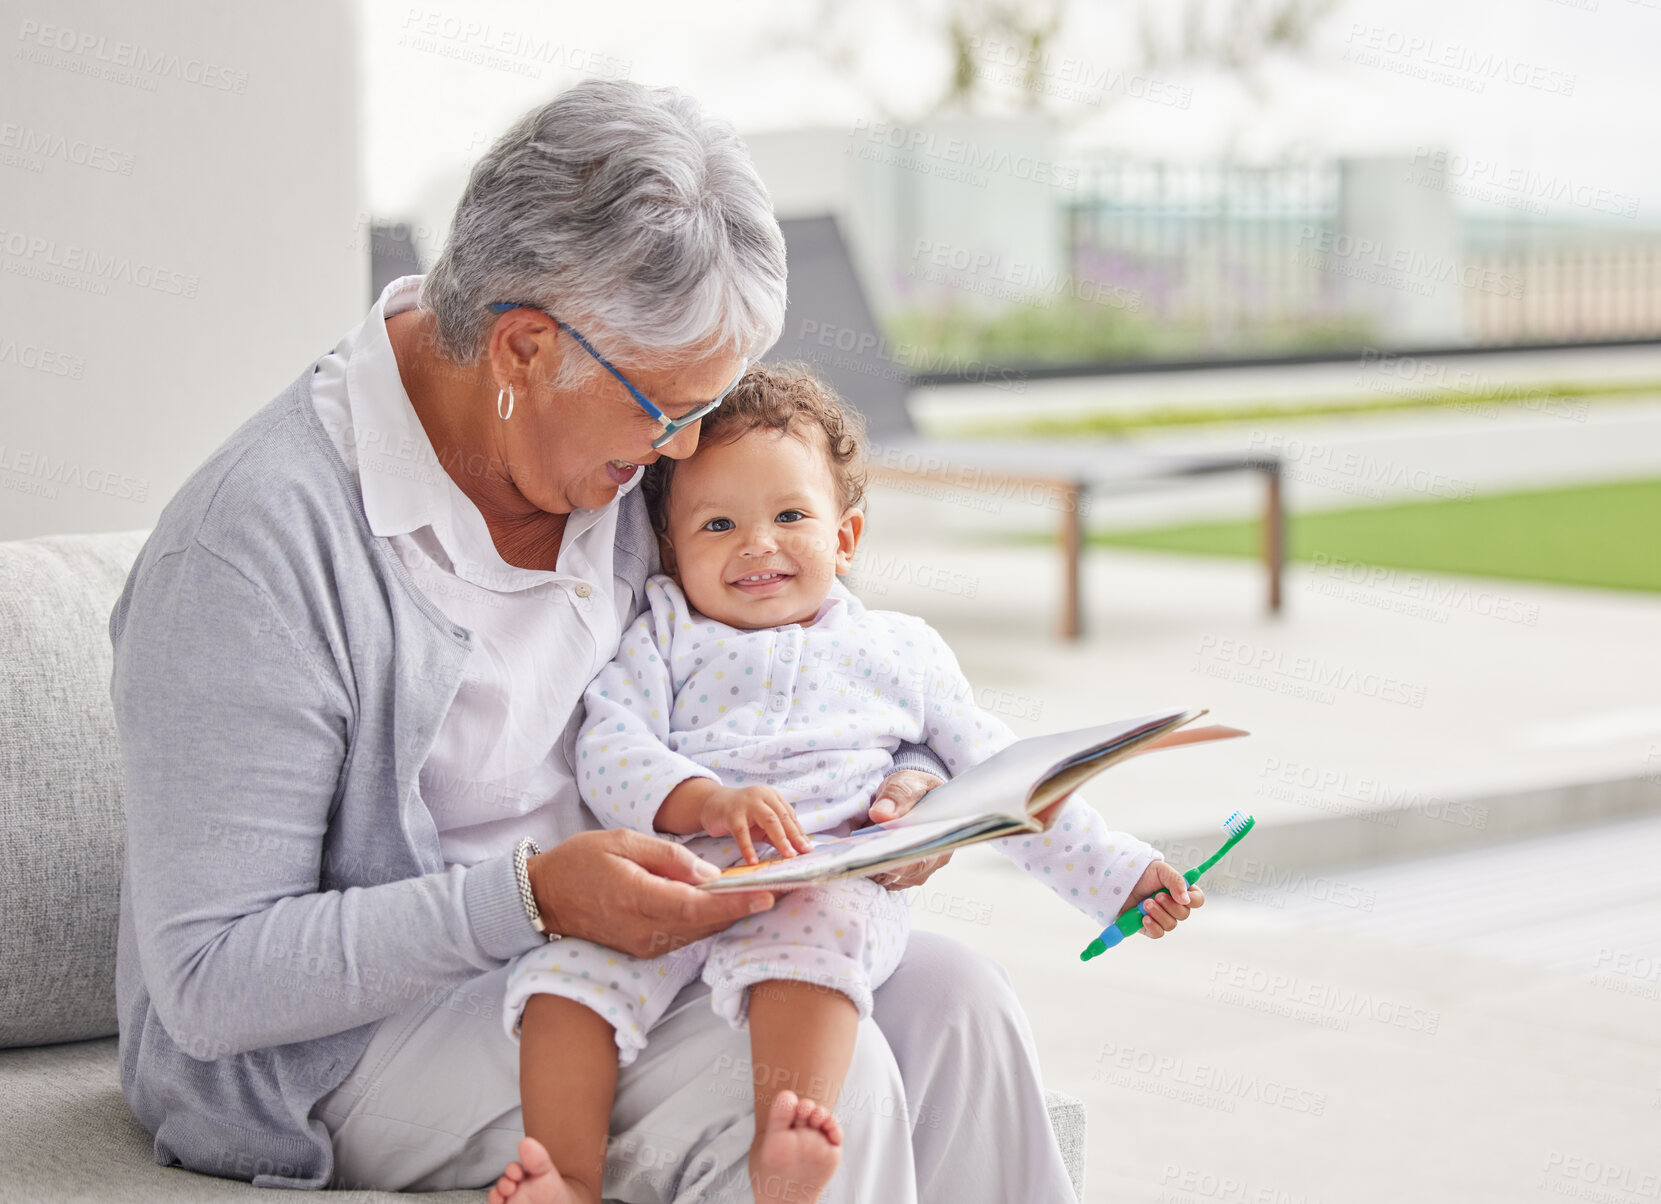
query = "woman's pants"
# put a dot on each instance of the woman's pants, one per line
(942, 1103)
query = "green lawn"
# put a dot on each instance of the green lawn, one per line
(1599, 535)
(1565, 399)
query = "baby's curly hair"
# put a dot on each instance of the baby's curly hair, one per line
(779, 397)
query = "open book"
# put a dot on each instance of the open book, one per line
(1016, 790)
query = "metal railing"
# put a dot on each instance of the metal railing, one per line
(1223, 246)
(1576, 284)
(1233, 251)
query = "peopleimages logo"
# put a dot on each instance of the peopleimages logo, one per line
(1274, 669)
(1304, 783)
(76, 50)
(1537, 186)
(25, 471)
(1300, 998)
(1437, 594)
(991, 274)
(1414, 265)
(38, 358)
(524, 52)
(1124, 1065)
(1449, 62)
(40, 145)
(1064, 77)
(32, 255)
(956, 158)
(908, 359)
(1330, 466)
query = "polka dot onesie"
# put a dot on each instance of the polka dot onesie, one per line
(816, 712)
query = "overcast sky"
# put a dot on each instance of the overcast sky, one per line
(1564, 90)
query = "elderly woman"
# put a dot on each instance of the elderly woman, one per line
(349, 663)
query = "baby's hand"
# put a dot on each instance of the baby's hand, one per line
(736, 811)
(1163, 911)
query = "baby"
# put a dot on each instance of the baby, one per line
(755, 704)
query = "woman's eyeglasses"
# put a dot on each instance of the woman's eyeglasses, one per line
(671, 426)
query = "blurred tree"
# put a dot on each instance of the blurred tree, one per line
(997, 55)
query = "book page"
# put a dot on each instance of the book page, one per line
(1000, 796)
(857, 854)
(1007, 782)
(1074, 772)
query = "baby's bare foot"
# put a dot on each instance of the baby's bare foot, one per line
(797, 1151)
(533, 1179)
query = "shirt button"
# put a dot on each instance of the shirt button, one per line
(779, 702)
(787, 657)
(584, 589)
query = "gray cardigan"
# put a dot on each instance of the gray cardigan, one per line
(279, 680)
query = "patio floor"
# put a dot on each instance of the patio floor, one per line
(1383, 999)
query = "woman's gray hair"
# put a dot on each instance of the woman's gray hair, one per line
(627, 212)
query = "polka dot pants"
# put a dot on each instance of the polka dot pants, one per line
(847, 936)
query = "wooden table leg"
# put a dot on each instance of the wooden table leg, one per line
(1274, 535)
(1072, 551)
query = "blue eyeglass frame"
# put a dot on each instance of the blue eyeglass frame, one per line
(671, 426)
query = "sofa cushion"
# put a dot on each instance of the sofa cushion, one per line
(66, 1134)
(61, 818)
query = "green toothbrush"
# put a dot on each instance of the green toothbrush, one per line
(1236, 825)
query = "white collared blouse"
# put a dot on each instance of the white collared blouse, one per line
(501, 766)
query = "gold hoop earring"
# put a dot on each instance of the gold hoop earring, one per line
(509, 414)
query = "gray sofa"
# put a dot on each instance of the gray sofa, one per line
(65, 1130)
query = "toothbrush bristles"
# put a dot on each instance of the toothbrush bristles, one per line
(1237, 823)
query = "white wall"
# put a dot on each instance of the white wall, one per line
(179, 235)
(965, 210)
(1400, 265)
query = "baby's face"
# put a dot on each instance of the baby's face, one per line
(755, 536)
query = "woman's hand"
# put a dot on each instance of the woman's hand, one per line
(898, 794)
(629, 892)
(1164, 912)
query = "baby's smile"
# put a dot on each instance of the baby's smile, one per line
(765, 581)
